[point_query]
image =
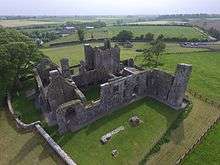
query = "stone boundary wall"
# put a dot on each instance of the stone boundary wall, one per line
(179, 161)
(36, 126)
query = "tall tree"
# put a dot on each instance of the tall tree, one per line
(124, 35)
(153, 53)
(81, 35)
(18, 55)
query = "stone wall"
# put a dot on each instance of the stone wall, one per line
(157, 84)
(35, 126)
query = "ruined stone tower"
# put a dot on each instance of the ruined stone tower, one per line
(102, 58)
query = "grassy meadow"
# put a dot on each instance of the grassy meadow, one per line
(110, 31)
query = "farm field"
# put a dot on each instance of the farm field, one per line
(110, 31)
(19, 148)
(157, 23)
(75, 53)
(132, 143)
(208, 151)
(24, 22)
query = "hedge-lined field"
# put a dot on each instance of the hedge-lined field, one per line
(110, 31)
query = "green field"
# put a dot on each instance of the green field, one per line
(110, 31)
(132, 143)
(208, 152)
(24, 22)
(75, 53)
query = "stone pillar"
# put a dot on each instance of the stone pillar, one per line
(179, 86)
(89, 56)
(107, 44)
(65, 67)
(54, 74)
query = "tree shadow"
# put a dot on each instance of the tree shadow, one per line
(25, 150)
(177, 136)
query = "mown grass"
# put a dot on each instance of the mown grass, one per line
(205, 77)
(133, 143)
(110, 31)
(208, 152)
(26, 109)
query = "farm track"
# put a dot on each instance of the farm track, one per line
(187, 134)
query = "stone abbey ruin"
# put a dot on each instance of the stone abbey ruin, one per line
(121, 83)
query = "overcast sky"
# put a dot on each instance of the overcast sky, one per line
(107, 7)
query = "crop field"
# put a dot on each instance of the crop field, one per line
(110, 31)
(24, 22)
(132, 143)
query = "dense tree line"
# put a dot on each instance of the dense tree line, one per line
(214, 33)
(42, 36)
(187, 16)
(80, 25)
(18, 54)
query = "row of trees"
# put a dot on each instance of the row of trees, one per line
(18, 55)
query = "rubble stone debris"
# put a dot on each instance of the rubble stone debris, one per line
(135, 121)
(105, 138)
(115, 153)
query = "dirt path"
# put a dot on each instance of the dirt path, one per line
(18, 148)
(200, 118)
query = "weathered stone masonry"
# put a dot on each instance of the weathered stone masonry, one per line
(121, 83)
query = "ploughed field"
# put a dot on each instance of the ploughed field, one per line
(110, 31)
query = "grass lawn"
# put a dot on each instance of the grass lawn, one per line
(206, 70)
(26, 109)
(132, 143)
(208, 152)
(19, 148)
(93, 93)
(110, 31)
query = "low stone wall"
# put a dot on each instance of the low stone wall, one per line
(54, 145)
(36, 126)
